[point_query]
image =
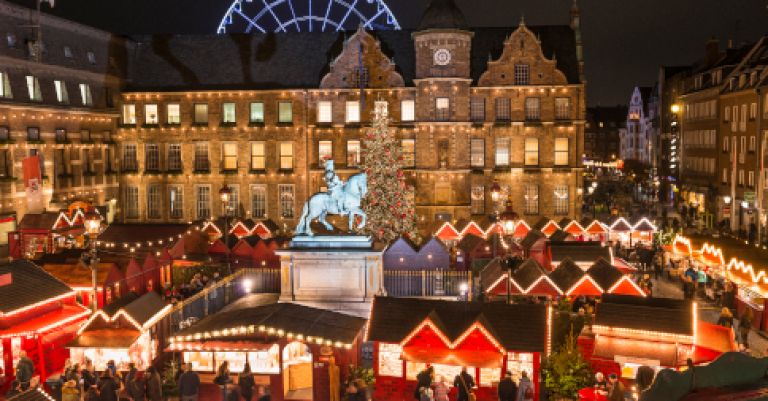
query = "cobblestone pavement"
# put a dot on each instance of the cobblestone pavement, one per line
(709, 312)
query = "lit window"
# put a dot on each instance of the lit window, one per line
(152, 157)
(562, 108)
(477, 152)
(258, 158)
(285, 112)
(129, 114)
(85, 95)
(203, 197)
(5, 86)
(228, 113)
(503, 109)
(502, 152)
(176, 201)
(129, 157)
(522, 74)
(532, 108)
(286, 194)
(131, 202)
(229, 156)
(61, 135)
(259, 201)
(408, 149)
(353, 112)
(531, 199)
(531, 151)
(257, 112)
(153, 201)
(286, 155)
(151, 116)
(61, 91)
(201, 113)
(174, 157)
(561, 151)
(233, 205)
(408, 110)
(202, 162)
(324, 112)
(478, 200)
(33, 88)
(353, 153)
(442, 109)
(560, 199)
(174, 113)
(324, 152)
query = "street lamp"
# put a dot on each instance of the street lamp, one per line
(495, 191)
(92, 222)
(225, 193)
(509, 218)
(675, 108)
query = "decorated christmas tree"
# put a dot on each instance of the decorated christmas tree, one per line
(387, 204)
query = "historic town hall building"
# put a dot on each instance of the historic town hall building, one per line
(474, 109)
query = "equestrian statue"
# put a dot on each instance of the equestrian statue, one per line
(341, 199)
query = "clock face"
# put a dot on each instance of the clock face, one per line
(442, 57)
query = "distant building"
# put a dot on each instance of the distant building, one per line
(601, 133)
(637, 137)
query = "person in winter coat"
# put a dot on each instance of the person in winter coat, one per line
(616, 392)
(88, 375)
(108, 387)
(424, 380)
(524, 388)
(136, 386)
(745, 325)
(25, 369)
(112, 368)
(154, 385)
(464, 385)
(246, 382)
(222, 379)
(507, 390)
(189, 384)
(441, 389)
(726, 318)
(92, 394)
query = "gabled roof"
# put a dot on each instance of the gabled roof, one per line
(527, 273)
(403, 245)
(531, 238)
(470, 242)
(23, 284)
(586, 251)
(517, 327)
(560, 236)
(145, 307)
(604, 274)
(650, 314)
(566, 275)
(38, 221)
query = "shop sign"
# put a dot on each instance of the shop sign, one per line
(726, 210)
(749, 197)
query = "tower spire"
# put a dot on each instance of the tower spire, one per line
(576, 26)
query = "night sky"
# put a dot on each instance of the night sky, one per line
(625, 41)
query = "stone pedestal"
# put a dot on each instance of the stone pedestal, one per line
(341, 273)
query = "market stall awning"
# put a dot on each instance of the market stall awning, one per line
(455, 357)
(116, 338)
(58, 318)
(612, 348)
(218, 345)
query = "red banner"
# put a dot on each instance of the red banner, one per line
(33, 183)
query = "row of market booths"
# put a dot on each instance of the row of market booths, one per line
(729, 260)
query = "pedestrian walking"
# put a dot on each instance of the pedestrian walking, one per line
(424, 380)
(222, 379)
(246, 382)
(745, 326)
(726, 318)
(154, 384)
(136, 386)
(616, 391)
(507, 390)
(108, 386)
(524, 388)
(465, 385)
(189, 384)
(25, 368)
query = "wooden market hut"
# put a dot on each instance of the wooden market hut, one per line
(573, 281)
(401, 255)
(447, 233)
(597, 231)
(612, 280)
(531, 278)
(471, 248)
(584, 254)
(534, 245)
(433, 255)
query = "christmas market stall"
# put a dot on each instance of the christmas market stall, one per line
(132, 333)
(433, 255)
(487, 338)
(621, 232)
(401, 255)
(302, 353)
(447, 233)
(38, 315)
(629, 332)
(77, 275)
(572, 280)
(584, 254)
(530, 278)
(596, 231)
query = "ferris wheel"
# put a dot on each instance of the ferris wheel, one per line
(306, 16)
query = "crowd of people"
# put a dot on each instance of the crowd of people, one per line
(431, 388)
(245, 388)
(198, 282)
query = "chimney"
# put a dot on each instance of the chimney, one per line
(712, 50)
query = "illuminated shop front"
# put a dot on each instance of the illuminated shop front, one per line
(301, 352)
(409, 335)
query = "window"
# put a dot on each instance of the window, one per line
(129, 114)
(560, 199)
(725, 175)
(561, 151)
(353, 112)
(531, 199)
(257, 112)
(232, 207)
(129, 157)
(285, 112)
(87, 165)
(33, 89)
(743, 119)
(91, 57)
(741, 177)
(408, 110)
(324, 152)
(324, 112)
(176, 201)
(752, 143)
(353, 153)
(6, 166)
(67, 52)
(174, 157)
(286, 155)
(229, 156)
(202, 163)
(10, 39)
(477, 152)
(522, 74)
(61, 91)
(5, 86)
(285, 191)
(258, 157)
(727, 114)
(228, 114)
(61, 135)
(200, 113)
(752, 111)
(751, 179)
(131, 202)
(477, 109)
(203, 198)
(151, 116)
(562, 108)
(478, 200)
(5, 133)
(502, 152)
(408, 148)
(503, 109)
(531, 151)
(174, 113)
(152, 155)
(153, 201)
(532, 109)
(725, 144)
(442, 109)
(259, 201)
(85, 95)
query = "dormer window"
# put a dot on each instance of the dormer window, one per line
(522, 74)
(67, 52)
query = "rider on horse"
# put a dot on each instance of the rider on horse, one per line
(335, 188)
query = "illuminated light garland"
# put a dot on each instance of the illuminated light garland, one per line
(742, 267)
(647, 335)
(713, 252)
(448, 226)
(581, 280)
(619, 220)
(631, 282)
(109, 319)
(241, 330)
(681, 241)
(548, 344)
(548, 228)
(37, 304)
(69, 221)
(495, 283)
(538, 280)
(474, 226)
(448, 343)
(578, 226)
(644, 219)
